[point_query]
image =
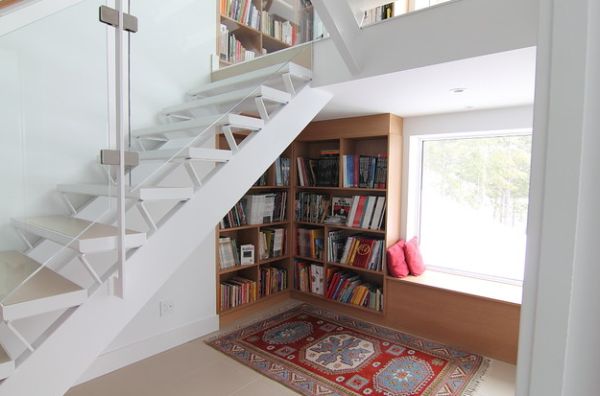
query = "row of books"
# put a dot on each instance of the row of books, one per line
(365, 171)
(367, 211)
(237, 291)
(356, 250)
(309, 278)
(312, 208)
(272, 280)
(281, 30)
(271, 243)
(309, 243)
(319, 172)
(265, 208)
(231, 49)
(349, 288)
(378, 14)
(236, 217)
(242, 11)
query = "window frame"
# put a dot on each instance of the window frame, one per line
(415, 189)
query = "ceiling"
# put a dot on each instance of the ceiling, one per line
(491, 81)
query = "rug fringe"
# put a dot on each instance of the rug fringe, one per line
(475, 383)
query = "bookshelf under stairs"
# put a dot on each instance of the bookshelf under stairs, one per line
(343, 211)
(255, 116)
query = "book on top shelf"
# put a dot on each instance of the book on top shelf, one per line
(236, 217)
(363, 171)
(265, 208)
(319, 172)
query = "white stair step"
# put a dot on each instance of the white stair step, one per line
(270, 74)
(188, 153)
(46, 291)
(7, 366)
(266, 93)
(81, 235)
(233, 120)
(140, 194)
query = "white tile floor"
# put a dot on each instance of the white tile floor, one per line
(196, 369)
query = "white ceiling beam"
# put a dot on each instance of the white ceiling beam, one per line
(339, 20)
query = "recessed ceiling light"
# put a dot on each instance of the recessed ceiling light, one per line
(458, 90)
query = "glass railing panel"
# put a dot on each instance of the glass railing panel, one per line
(54, 120)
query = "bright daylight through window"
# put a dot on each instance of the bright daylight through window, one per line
(473, 205)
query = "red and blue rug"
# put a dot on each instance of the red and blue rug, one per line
(317, 352)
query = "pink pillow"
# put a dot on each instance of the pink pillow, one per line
(396, 262)
(413, 257)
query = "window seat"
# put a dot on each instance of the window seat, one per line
(491, 290)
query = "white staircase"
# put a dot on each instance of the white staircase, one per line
(275, 104)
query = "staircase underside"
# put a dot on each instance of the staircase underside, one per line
(90, 329)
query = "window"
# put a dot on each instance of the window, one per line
(472, 208)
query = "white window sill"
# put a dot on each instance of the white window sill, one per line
(467, 285)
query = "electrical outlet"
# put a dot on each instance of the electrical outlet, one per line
(167, 307)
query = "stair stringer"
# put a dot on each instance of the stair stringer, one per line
(66, 354)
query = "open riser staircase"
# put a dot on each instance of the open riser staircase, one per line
(270, 105)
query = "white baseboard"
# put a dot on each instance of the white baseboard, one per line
(133, 353)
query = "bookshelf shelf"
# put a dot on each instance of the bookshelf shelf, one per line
(238, 26)
(314, 260)
(272, 44)
(267, 188)
(236, 269)
(273, 260)
(353, 268)
(342, 189)
(257, 301)
(250, 226)
(357, 229)
(358, 307)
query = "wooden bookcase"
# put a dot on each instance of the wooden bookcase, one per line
(249, 234)
(370, 135)
(254, 39)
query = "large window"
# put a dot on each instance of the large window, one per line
(472, 209)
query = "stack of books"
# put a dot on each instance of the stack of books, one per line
(271, 243)
(309, 243)
(320, 172)
(365, 171)
(242, 11)
(284, 31)
(236, 217)
(265, 208)
(356, 250)
(310, 278)
(272, 280)
(349, 288)
(312, 208)
(237, 291)
(367, 212)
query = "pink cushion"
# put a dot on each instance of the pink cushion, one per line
(413, 256)
(396, 263)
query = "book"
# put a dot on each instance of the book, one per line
(363, 171)
(340, 207)
(271, 243)
(237, 291)
(356, 250)
(227, 256)
(312, 208)
(309, 243)
(349, 288)
(366, 212)
(319, 172)
(272, 280)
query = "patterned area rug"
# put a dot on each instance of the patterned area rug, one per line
(317, 352)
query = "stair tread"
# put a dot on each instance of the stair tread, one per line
(15, 268)
(188, 153)
(295, 70)
(268, 93)
(74, 228)
(235, 120)
(142, 193)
